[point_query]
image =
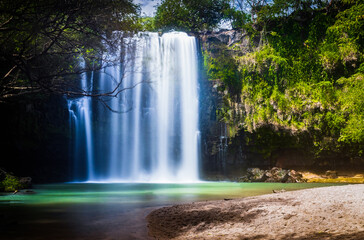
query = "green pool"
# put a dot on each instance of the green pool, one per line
(108, 211)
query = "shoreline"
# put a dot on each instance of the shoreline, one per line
(335, 212)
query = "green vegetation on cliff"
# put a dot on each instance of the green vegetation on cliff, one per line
(302, 75)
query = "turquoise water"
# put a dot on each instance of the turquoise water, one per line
(108, 211)
(139, 193)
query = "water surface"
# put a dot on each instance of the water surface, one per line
(108, 211)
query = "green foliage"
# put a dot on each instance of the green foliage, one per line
(190, 15)
(352, 108)
(342, 48)
(42, 41)
(147, 24)
(237, 18)
(265, 64)
(10, 184)
(224, 68)
(305, 78)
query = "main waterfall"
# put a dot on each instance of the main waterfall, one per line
(153, 136)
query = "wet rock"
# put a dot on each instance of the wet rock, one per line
(277, 175)
(331, 174)
(256, 175)
(271, 180)
(295, 176)
(279, 191)
(290, 180)
(286, 177)
(215, 178)
(273, 175)
(2, 175)
(244, 178)
(29, 192)
(26, 182)
(269, 175)
(227, 37)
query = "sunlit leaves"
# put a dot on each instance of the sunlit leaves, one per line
(190, 15)
(352, 106)
(307, 78)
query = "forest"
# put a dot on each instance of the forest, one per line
(299, 81)
(296, 82)
(182, 119)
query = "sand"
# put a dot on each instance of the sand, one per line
(320, 213)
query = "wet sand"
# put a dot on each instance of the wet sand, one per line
(320, 213)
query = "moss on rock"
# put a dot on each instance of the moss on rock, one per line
(11, 183)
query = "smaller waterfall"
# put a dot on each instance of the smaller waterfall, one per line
(223, 146)
(156, 138)
(80, 121)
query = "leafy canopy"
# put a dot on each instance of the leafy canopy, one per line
(42, 40)
(190, 15)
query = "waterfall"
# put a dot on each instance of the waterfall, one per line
(152, 135)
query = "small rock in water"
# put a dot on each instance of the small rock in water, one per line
(279, 191)
(26, 182)
(331, 174)
(256, 175)
(295, 176)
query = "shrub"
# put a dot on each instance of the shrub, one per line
(11, 183)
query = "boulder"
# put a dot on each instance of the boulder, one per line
(268, 174)
(277, 174)
(291, 180)
(279, 191)
(227, 37)
(26, 182)
(331, 174)
(271, 180)
(273, 175)
(244, 178)
(295, 176)
(256, 175)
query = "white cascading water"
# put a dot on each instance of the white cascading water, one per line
(155, 137)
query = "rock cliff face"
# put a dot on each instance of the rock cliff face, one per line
(35, 133)
(35, 138)
(214, 139)
(227, 37)
(224, 156)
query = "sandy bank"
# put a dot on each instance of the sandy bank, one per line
(319, 213)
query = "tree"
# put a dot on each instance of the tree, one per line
(190, 15)
(250, 6)
(42, 41)
(305, 79)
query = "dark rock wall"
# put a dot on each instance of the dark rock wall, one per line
(221, 156)
(35, 138)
